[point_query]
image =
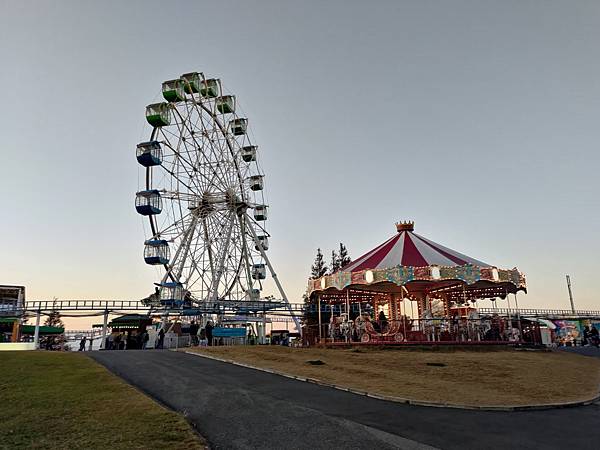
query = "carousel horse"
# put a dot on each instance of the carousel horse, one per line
(427, 325)
(474, 326)
(334, 322)
(340, 327)
(360, 325)
(513, 334)
(346, 328)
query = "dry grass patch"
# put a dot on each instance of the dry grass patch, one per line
(56, 400)
(504, 377)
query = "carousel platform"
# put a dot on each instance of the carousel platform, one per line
(440, 344)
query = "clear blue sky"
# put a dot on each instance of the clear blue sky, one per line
(477, 119)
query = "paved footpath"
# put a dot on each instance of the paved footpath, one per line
(239, 408)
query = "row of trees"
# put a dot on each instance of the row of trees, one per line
(339, 259)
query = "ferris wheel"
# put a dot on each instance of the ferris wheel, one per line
(203, 197)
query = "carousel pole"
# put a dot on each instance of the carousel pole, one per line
(319, 312)
(509, 313)
(518, 318)
(403, 314)
(347, 311)
(348, 303)
(460, 322)
(330, 326)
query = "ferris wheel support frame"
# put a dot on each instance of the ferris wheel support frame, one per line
(169, 271)
(245, 245)
(274, 275)
(213, 295)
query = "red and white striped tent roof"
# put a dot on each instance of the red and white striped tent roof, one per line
(418, 265)
(406, 248)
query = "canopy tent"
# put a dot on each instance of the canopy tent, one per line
(407, 248)
(416, 267)
(128, 322)
(9, 320)
(44, 329)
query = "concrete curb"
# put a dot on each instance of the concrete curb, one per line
(406, 400)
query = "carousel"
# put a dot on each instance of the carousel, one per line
(410, 289)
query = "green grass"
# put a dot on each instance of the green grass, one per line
(66, 400)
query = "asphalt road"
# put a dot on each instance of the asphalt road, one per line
(239, 408)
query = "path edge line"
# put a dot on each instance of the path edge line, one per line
(407, 401)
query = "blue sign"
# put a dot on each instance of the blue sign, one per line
(238, 332)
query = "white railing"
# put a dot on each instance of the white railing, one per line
(542, 313)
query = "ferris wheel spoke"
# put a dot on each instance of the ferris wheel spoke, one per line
(198, 262)
(226, 138)
(217, 155)
(186, 163)
(244, 250)
(182, 163)
(199, 186)
(172, 227)
(219, 139)
(224, 230)
(176, 266)
(192, 135)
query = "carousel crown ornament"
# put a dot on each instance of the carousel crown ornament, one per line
(408, 225)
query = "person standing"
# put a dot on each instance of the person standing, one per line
(82, 344)
(587, 335)
(194, 332)
(145, 339)
(117, 342)
(209, 332)
(594, 336)
(161, 338)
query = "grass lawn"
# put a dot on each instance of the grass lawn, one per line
(66, 400)
(501, 377)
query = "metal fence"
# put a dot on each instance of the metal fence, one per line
(175, 341)
(437, 330)
(544, 313)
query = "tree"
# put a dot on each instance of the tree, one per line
(343, 257)
(54, 342)
(335, 263)
(318, 268)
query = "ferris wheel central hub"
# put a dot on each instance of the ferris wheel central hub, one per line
(211, 202)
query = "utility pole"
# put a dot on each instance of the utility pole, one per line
(570, 294)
